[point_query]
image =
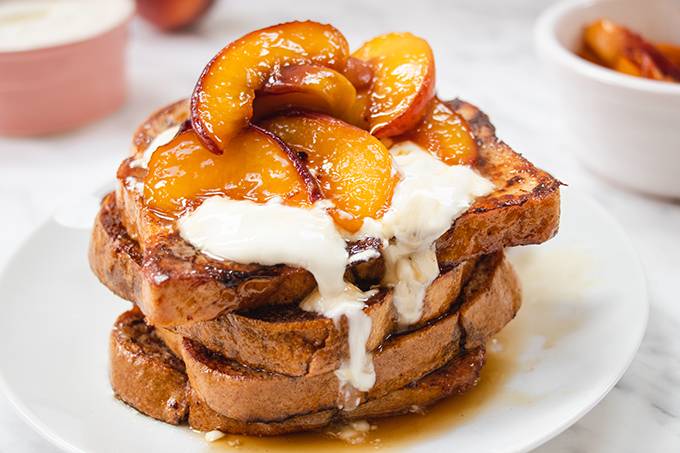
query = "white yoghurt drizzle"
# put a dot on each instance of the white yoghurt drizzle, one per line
(428, 198)
(159, 140)
(273, 233)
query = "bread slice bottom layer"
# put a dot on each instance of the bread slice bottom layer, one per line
(146, 375)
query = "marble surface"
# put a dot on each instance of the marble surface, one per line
(485, 54)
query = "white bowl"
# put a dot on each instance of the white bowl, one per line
(625, 128)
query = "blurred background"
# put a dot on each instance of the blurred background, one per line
(485, 53)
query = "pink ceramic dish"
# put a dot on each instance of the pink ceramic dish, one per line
(56, 88)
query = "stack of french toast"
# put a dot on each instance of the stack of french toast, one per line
(314, 237)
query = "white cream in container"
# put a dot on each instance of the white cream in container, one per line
(62, 62)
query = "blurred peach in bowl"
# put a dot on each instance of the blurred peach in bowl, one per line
(625, 128)
(62, 63)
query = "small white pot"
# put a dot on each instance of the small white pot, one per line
(625, 128)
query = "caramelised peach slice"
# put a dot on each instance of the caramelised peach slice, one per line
(222, 102)
(626, 51)
(354, 169)
(257, 166)
(445, 134)
(308, 87)
(357, 114)
(358, 72)
(670, 51)
(403, 81)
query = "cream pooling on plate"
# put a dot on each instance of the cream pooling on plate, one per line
(429, 196)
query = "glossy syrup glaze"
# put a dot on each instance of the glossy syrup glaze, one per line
(548, 316)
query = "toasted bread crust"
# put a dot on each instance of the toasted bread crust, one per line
(524, 209)
(249, 395)
(145, 372)
(456, 377)
(280, 338)
(244, 394)
(287, 340)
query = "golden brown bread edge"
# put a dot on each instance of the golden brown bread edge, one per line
(148, 377)
(181, 285)
(279, 338)
(488, 302)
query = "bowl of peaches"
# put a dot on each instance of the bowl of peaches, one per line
(616, 68)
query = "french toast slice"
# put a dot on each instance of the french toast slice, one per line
(523, 209)
(144, 373)
(147, 376)
(278, 338)
(247, 394)
(181, 285)
(172, 270)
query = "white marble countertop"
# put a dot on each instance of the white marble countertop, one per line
(485, 54)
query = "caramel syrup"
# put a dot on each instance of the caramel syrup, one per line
(548, 315)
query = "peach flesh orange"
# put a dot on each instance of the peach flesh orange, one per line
(307, 87)
(445, 134)
(403, 81)
(353, 168)
(621, 49)
(256, 167)
(222, 101)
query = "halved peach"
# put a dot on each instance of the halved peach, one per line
(624, 50)
(353, 168)
(257, 166)
(222, 101)
(308, 87)
(445, 134)
(403, 81)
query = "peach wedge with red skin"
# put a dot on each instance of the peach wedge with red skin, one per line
(307, 87)
(353, 168)
(222, 101)
(623, 50)
(445, 134)
(257, 167)
(403, 81)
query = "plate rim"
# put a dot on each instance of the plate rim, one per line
(47, 433)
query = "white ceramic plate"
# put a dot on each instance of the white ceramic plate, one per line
(584, 314)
